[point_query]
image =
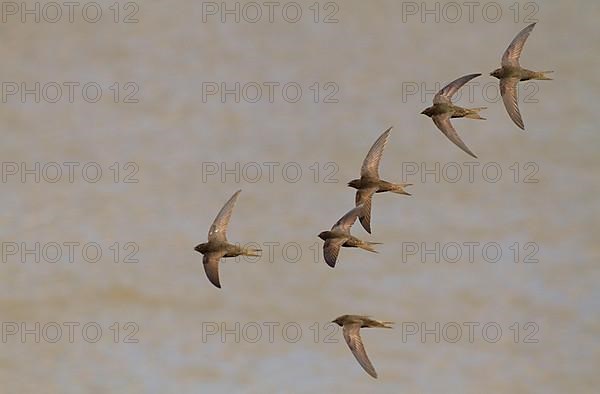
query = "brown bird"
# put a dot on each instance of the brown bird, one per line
(351, 328)
(217, 246)
(511, 73)
(339, 236)
(369, 182)
(442, 110)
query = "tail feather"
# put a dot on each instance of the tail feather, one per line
(542, 75)
(399, 188)
(474, 114)
(382, 323)
(252, 252)
(369, 246)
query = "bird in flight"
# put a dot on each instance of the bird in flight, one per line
(369, 182)
(351, 325)
(443, 110)
(511, 73)
(339, 236)
(217, 246)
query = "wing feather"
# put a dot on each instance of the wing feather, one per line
(218, 229)
(511, 56)
(346, 221)
(508, 90)
(331, 250)
(444, 96)
(354, 341)
(370, 166)
(364, 198)
(443, 123)
(211, 267)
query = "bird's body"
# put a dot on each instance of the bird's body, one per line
(453, 111)
(511, 73)
(351, 325)
(369, 182)
(443, 110)
(217, 246)
(350, 241)
(522, 74)
(228, 250)
(339, 236)
(379, 185)
(364, 321)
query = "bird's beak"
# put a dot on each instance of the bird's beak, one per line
(423, 112)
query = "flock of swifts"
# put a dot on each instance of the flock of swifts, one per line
(369, 183)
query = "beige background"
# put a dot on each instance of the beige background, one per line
(370, 53)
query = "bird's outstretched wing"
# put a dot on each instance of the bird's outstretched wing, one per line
(508, 90)
(354, 341)
(511, 56)
(211, 267)
(364, 198)
(331, 250)
(218, 229)
(444, 96)
(443, 123)
(370, 166)
(347, 220)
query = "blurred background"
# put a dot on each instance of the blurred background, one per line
(140, 98)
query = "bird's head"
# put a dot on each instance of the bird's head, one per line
(355, 183)
(200, 248)
(496, 73)
(323, 235)
(340, 320)
(427, 111)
